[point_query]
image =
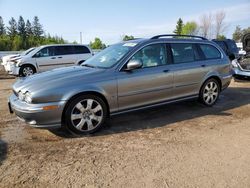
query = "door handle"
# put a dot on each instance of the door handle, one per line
(59, 57)
(203, 65)
(53, 57)
(166, 71)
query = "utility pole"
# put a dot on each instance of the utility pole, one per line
(80, 37)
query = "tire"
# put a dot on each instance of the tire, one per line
(27, 70)
(85, 114)
(210, 92)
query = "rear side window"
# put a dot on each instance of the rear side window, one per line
(63, 50)
(210, 52)
(184, 52)
(81, 50)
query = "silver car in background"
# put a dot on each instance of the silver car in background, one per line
(124, 77)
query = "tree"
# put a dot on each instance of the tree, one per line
(179, 27)
(21, 27)
(127, 37)
(28, 28)
(221, 37)
(37, 28)
(12, 29)
(205, 25)
(97, 44)
(190, 28)
(2, 28)
(220, 26)
(237, 35)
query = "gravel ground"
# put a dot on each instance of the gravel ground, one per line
(177, 145)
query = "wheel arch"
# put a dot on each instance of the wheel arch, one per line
(216, 77)
(28, 64)
(95, 93)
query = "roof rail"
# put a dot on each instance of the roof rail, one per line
(173, 35)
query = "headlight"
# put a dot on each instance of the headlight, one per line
(25, 97)
(21, 96)
(28, 97)
(234, 63)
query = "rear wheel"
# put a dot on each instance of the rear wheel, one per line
(27, 70)
(85, 114)
(209, 92)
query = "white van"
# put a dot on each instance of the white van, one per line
(48, 57)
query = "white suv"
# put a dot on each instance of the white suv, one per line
(49, 57)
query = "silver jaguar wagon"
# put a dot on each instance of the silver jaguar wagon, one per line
(127, 76)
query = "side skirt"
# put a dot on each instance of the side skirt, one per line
(154, 105)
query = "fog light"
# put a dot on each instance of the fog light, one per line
(33, 122)
(50, 107)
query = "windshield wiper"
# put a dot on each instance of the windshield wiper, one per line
(88, 65)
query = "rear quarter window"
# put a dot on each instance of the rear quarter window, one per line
(81, 50)
(210, 52)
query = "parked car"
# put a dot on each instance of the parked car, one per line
(124, 77)
(7, 58)
(241, 67)
(48, 57)
(229, 47)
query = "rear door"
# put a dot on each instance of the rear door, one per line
(188, 69)
(65, 56)
(82, 53)
(147, 85)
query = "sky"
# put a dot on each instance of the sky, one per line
(111, 19)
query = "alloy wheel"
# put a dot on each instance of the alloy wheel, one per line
(211, 92)
(86, 115)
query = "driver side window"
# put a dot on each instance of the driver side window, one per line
(152, 55)
(46, 52)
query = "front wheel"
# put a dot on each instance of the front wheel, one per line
(85, 114)
(209, 92)
(27, 70)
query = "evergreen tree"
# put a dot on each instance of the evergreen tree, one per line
(12, 29)
(21, 27)
(28, 28)
(37, 28)
(179, 27)
(2, 28)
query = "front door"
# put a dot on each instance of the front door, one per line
(149, 84)
(46, 59)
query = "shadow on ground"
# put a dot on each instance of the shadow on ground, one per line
(3, 151)
(231, 98)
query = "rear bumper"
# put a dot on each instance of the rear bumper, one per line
(35, 115)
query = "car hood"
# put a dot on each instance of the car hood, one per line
(57, 78)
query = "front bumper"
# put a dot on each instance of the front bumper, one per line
(12, 68)
(241, 73)
(35, 115)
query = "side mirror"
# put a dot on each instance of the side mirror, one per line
(37, 55)
(133, 64)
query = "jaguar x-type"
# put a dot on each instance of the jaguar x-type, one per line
(124, 77)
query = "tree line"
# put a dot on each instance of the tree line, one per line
(21, 34)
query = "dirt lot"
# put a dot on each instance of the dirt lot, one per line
(178, 145)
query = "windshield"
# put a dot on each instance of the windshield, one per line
(110, 56)
(27, 51)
